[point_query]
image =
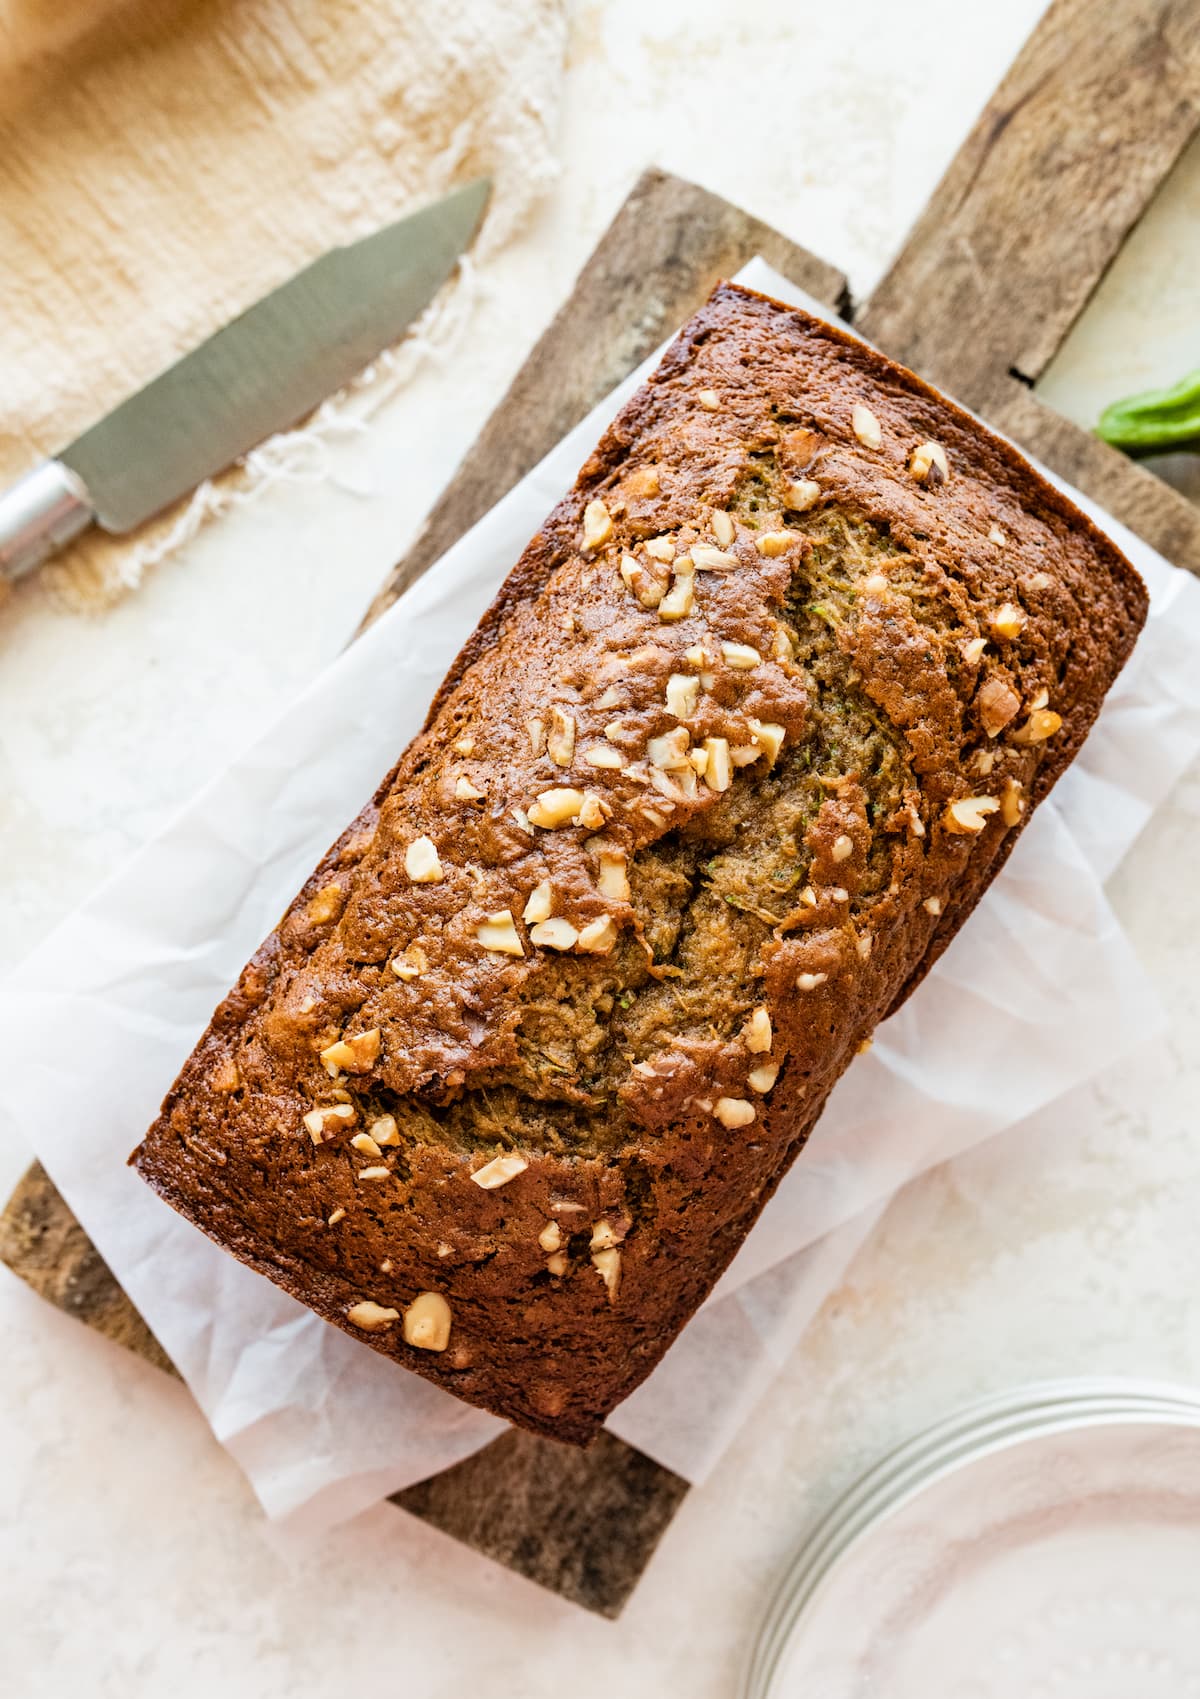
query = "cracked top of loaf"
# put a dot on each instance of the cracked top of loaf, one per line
(745, 735)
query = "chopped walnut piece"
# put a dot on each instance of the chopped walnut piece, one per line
(709, 400)
(537, 735)
(866, 426)
(768, 737)
(972, 652)
(932, 905)
(602, 755)
(597, 526)
(762, 1078)
(553, 935)
(499, 933)
(842, 847)
(1040, 725)
(863, 945)
(607, 1231)
(560, 740)
(385, 1131)
(326, 905)
(499, 1171)
(707, 559)
(366, 1144)
(226, 1076)
(741, 656)
(772, 544)
(718, 770)
(333, 1118)
(1041, 700)
(371, 1317)
(799, 494)
(801, 447)
(555, 808)
(598, 937)
(1040, 581)
(677, 603)
(683, 695)
(427, 1322)
(374, 1174)
(592, 811)
(550, 1238)
(734, 1111)
(647, 586)
(557, 1264)
(1008, 621)
(929, 465)
(756, 1034)
(465, 791)
(670, 749)
(1012, 802)
(613, 879)
(969, 813)
(463, 746)
(539, 903)
(608, 1266)
(421, 862)
(810, 981)
(338, 1215)
(353, 1055)
(996, 535)
(642, 481)
(998, 703)
(445, 1250)
(413, 962)
(745, 754)
(723, 527)
(660, 548)
(875, 583)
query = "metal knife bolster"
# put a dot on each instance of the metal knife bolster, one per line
(39, 515)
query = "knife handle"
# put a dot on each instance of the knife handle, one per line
(39, 515)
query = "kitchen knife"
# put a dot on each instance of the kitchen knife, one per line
(259, 374)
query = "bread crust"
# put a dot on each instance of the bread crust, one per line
(747, 391)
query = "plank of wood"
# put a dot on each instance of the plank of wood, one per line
(546, 1511)
(654, 265)
(1063, 161)
(41, 1241)
(583, 1523)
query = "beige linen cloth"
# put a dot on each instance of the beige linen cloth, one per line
(163, 163)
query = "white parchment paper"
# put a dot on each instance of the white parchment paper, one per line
(1041, 990)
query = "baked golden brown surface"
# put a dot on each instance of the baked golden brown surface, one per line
(743, 739)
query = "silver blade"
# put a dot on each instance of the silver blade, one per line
(272, 365)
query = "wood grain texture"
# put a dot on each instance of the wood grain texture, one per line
(1167, 520)
(1061, 164)
(582, 1523)
(654, 265)
(41, 1241)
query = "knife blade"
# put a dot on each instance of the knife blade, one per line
(260, 373)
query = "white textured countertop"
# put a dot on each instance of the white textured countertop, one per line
(133, 1560)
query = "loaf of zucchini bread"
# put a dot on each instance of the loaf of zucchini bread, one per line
(748, 730)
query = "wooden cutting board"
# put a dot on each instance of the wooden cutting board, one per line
(1060, 166)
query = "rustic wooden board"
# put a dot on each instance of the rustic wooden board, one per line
(1063, 161)
(1092, 115)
